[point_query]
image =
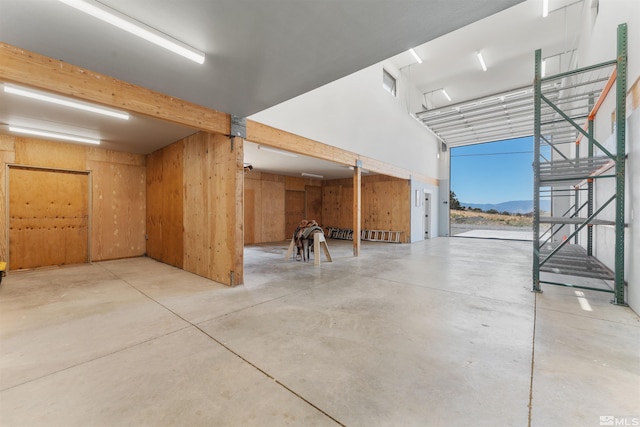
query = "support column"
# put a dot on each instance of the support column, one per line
(357, 206)
(621, 103)
(238, 239)
(537, 86)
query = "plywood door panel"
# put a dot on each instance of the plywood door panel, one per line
(118, 207)
(227, 206)
(294, 210)
(165, 204)
(154, 205)
(314, 203)
(48, 218)
(273, 222)
(172, 205)
(197, 204)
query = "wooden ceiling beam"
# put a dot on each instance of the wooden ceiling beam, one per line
(277, 138)
(27, 68)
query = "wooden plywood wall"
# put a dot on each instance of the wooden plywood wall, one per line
(265, 221)
(265, 210)
(164, 192)
(117, 210)
(212, 207)
(195, 205)
(49, 217)
(118, 204)
(7, 156)
(314, 203)
(337, 203)
(385, 204)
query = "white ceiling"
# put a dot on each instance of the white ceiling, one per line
(260, 53)
(507, 41)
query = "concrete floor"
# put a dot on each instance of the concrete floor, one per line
(437, 333)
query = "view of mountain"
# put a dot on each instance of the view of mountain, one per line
(513, 206)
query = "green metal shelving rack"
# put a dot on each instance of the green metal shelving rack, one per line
(561, 101)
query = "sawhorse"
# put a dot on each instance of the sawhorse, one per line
(318, 242)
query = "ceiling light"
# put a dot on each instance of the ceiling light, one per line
(543, 69)
(135, 27)
(60, 100)
(444, 92)
(55, 135)
(545, 8)
(415, 55)
(275, 150)
(481, 59)
(312, 175)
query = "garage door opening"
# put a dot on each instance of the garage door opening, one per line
(492, 190)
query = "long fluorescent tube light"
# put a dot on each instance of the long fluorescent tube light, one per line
(481, 59)
(60, 100)
(135, 27)
(275, 150)
(415, 55)
(312, 175)
(543, 69)
(55, 135)
(444, 92)
(545, 8)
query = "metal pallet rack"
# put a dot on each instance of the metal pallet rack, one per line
(561, 102)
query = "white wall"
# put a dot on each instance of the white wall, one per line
(355, 113)
(598, 42)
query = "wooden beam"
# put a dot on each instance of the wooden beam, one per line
(20, 66)
(277, 138)
(266, 135)
(357, 209)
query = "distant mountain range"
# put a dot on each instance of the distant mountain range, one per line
(514, 206)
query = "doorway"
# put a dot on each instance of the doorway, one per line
(48, 217)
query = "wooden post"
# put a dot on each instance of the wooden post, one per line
(238, 238)
(357, 202)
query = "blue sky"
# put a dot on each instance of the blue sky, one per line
(493, 172)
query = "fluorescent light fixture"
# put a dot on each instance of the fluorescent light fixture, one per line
(543, 69)
(444, 92)
(545, 8)
(276, 151)
(415, 55)
(55, 135)
(124, 22)
(60, 100)
(312, 175)
(482, 63)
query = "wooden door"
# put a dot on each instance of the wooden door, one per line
(294, 211)
(48, 217)
(314, 203)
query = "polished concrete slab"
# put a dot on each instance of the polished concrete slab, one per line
(498, 234)
(436, 333)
